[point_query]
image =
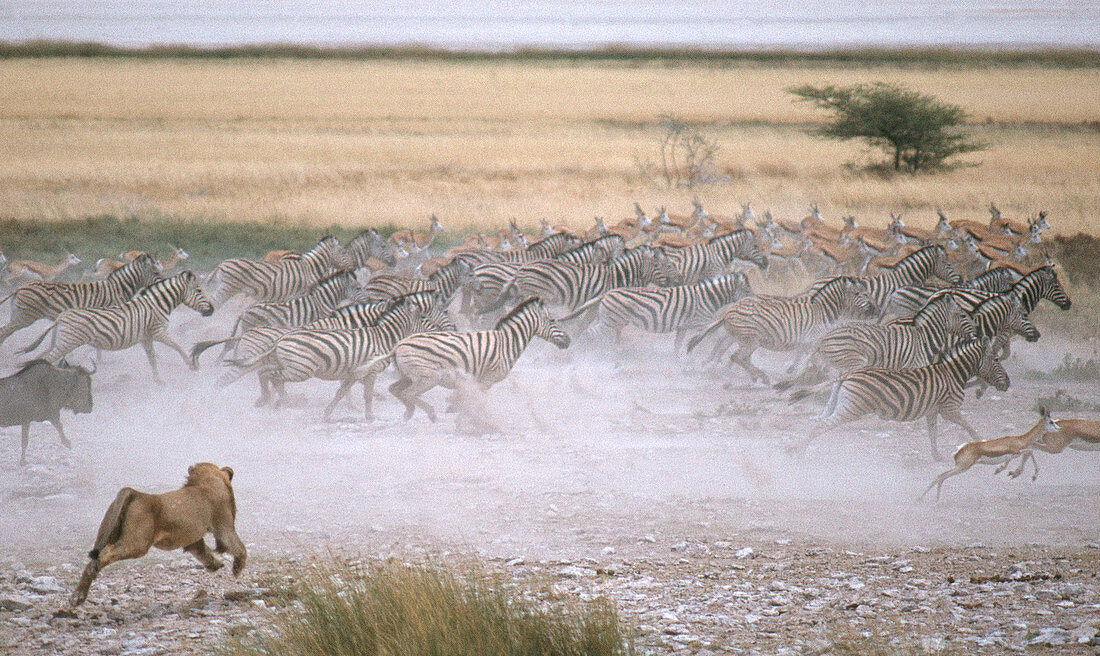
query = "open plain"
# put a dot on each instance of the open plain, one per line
(657, 479)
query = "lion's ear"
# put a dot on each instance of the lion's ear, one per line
(191, 470)
(228, 472)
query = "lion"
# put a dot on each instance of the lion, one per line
(181, 518)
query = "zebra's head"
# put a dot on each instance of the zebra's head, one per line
(990, 368)
(956, 322)
(1051, 287)
(328, 250)
(193, 296)
(941, 265)
(430, 309)
(534, 312)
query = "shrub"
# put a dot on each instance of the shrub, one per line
(424, 610)
(918, 131)
(685, 157)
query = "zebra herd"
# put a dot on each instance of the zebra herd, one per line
(901, 334)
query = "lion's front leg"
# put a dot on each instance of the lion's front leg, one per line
(228, 542)
(199, 550)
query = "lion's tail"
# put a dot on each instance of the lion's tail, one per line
(111, 528)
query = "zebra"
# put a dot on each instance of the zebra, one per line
(385, 286)
(320, 302)
(546, 247)
(277, 281)
(143, 319)
(714, 257)
(454, 359)
(900, 344)
(905, 301)
(46, 300)
(369, 245)
(913, 269)
(678, 309)
(337, 353)
(253, 342)
(569, 285)
(931, 391)
(488, 281)
(779, 323)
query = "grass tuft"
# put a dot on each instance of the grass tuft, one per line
(425, 609)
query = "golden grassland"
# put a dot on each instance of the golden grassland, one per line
(389, 142)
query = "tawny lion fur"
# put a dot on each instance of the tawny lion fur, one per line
(136, 521)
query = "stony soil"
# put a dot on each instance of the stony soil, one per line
(631, 473)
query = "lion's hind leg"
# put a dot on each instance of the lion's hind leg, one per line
(199, 550)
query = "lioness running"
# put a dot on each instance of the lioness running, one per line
(136, 521)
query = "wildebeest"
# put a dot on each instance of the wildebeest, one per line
(39, 391)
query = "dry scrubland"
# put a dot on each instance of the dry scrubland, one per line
(380, 142)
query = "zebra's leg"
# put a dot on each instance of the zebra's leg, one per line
(164, 338)
(678, 341)
(17, 321)
(930, 419)
(345, 386)
(280, 392)
(743, 357)
(56, 421)
(265, 391)
(799, 355)
(26, 438)
(952, 415)
(368, 396)
(147, 344)
(410, 395)
(397, 388)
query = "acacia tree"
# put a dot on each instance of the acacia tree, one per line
(917, 130)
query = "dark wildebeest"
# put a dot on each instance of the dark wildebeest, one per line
(38, 391)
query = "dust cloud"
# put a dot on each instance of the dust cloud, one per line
(599, 445)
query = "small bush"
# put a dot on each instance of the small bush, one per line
(1061, 401)
(685, 157)
(424, 610)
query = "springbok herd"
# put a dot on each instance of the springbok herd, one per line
(898, 322)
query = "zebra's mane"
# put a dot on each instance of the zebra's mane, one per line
(129, 266)
(913, 255)
(834, 280)
(516, 311)
(163, 282)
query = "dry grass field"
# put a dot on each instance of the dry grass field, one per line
(381, 142)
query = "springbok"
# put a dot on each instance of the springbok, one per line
(998, 451)
(32, 270)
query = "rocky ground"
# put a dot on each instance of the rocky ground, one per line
(691, 597)
(654, 480)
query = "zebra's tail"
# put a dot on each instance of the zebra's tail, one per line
(694, 341)
(2, 300)
(806, 392)
(582, 309)
(198, 349)
(378, 365)
(251, 364)
(33, 345)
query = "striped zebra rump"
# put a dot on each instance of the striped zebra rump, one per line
(277, 281)
(317, 304)
(387, 286)
(673, 308)
(908, 394)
